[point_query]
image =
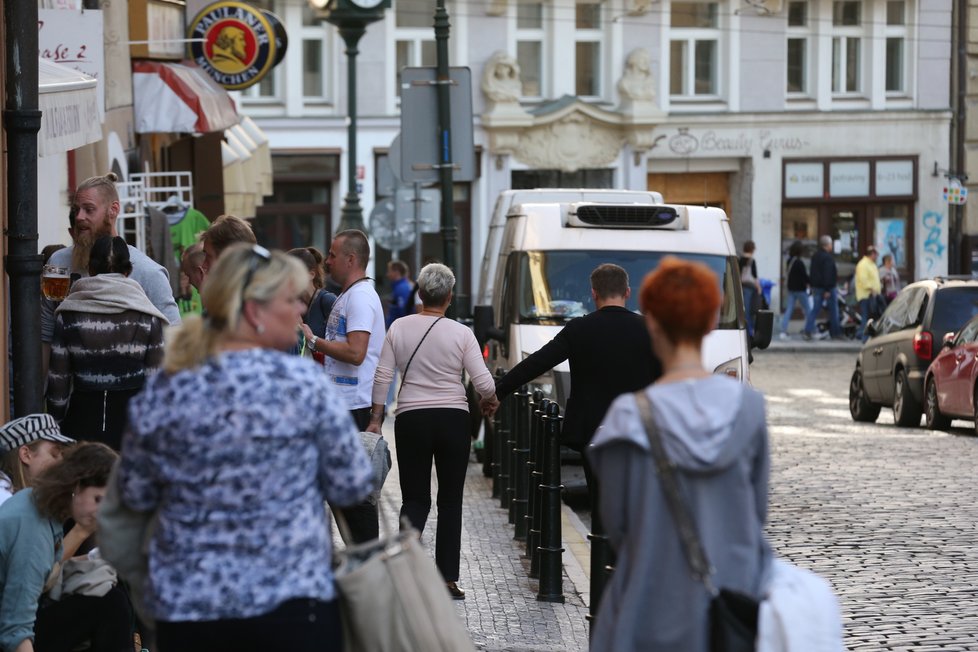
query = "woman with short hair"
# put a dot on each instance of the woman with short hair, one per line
(28, 446)
(235, 445)
(713, 431)
(432, 415)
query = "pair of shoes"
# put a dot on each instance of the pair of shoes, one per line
(454, 591)
(807, 337)
(783, 336)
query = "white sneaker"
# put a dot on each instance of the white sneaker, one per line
(783, 336)
(824, 335)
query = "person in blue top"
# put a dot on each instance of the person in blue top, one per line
(31, 551)
(403, 291)
(241, 555)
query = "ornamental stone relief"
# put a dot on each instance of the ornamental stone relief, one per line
(570, 144)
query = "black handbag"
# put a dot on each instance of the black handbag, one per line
(733, 615)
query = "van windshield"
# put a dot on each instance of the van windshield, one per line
(555, 286)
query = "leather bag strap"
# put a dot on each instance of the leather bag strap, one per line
(411, 359)
(692, 547)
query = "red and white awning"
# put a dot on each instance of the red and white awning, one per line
(179, 98)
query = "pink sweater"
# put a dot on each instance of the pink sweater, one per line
(435, 377)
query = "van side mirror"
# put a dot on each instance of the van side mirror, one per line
(484, 325)
(763, 329)
(948, 342)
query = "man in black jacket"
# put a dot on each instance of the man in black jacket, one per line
(824, 278)
(610, 353)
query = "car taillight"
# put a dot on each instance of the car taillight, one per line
(485, 352)
(923, 345)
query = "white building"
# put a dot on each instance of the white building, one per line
(801, 118)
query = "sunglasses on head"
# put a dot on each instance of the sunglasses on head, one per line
(258, 255)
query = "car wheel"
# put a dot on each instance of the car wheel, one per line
(932, 411)
(906, 410)
(859, 406)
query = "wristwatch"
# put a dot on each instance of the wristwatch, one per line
(311, 343)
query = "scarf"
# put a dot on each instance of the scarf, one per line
(109, 294)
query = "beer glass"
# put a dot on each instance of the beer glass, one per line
(54, 282)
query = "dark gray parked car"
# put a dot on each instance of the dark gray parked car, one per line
(902, 343)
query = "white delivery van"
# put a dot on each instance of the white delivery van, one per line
(544, 257)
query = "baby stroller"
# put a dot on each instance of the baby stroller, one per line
(849, 318)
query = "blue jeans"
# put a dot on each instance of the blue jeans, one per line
(749, 296)
(864, 305)
(802, 299)
(835, 330)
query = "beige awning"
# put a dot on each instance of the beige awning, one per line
(68, 101)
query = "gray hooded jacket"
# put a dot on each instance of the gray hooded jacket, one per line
(714, 430)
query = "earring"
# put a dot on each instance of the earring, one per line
(260, 329)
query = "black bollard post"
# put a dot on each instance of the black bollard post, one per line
(521, 454)
(602, 557)
(498, 437)
(514, 428)
(551, 561)
(540, 449)
(531, 482)
(506, 451)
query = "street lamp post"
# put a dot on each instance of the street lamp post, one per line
(351, 17)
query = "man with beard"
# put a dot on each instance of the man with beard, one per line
(95, 209)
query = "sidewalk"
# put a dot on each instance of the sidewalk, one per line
(500, 607)
(795, 343)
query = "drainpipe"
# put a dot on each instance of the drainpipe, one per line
(959, 86)
(22, 121)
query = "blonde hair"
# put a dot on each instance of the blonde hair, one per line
(104, 185)
(223, 297)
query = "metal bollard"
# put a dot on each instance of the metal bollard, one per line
(531, 481)
(602, 557)
(521, 454)
(514, 428)
(498, 437)
(506, 451)
(539, 450)
(551, 561)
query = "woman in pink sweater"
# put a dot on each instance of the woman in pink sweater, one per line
(432, 413)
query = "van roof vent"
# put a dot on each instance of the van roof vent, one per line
(627, 216)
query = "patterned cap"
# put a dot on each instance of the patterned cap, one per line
(29, 429)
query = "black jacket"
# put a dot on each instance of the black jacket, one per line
(610, 353)
(824, 273)
(797, 276)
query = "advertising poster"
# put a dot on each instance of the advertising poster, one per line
(890, 239)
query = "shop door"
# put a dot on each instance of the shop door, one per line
(847, 226)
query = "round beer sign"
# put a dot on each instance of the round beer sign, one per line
(233, 42)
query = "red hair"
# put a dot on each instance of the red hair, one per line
(684, 297)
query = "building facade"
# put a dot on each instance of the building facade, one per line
(799, 118)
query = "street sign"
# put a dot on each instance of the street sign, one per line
(420, 153)
(428, 211)
(955, 193)
(387, 230)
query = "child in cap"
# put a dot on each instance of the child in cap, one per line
(28, 445)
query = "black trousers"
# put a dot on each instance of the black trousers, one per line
(98, 416)
(301, 625)
(362, 518)
(440, 434)
(105, 622)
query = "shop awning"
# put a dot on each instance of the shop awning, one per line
(68, 101)
(179, 98)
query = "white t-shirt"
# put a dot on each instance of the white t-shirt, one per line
(356, 309)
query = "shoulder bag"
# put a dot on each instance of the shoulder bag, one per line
(392, 598)
(733, 615)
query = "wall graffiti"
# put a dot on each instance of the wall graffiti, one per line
(935, 244)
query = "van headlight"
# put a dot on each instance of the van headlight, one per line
(730, 368)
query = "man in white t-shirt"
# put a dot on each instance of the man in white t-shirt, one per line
(354, 338)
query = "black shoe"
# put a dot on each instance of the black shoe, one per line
(454, 591)
(807, 337)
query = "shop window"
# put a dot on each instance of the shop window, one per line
(799, 37)
(890, 233)
(694, 43)
(297, 214)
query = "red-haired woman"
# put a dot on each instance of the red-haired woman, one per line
(713, 430)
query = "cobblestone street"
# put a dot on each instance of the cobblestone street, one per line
(887, 514)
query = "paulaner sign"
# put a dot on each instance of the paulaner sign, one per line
(235, 43)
